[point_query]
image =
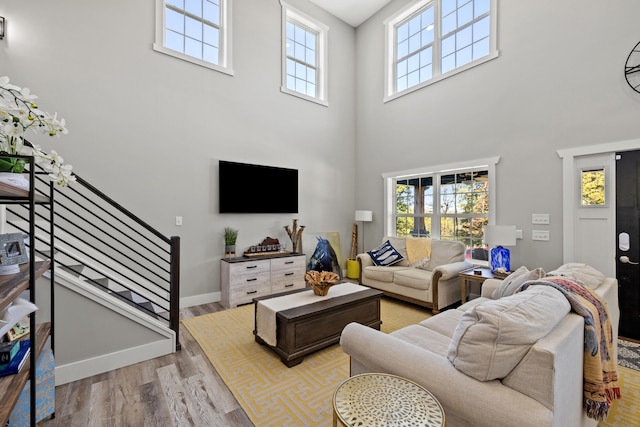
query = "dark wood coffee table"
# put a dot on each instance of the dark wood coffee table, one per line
(308, 328)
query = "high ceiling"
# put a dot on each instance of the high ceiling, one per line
(353, 12)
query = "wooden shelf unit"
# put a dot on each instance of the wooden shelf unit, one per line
(13, 285)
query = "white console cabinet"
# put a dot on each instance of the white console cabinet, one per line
(243, 279)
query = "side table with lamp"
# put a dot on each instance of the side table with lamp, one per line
(497, 237)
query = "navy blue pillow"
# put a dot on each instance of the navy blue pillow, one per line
(385, 255)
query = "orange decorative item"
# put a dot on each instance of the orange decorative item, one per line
(321, 281)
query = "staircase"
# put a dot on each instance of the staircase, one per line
(113, 259)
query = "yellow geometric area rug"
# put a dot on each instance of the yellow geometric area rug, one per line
(273, 395)
(270, 393)
(626, 411)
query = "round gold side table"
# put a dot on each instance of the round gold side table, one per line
(377, 400)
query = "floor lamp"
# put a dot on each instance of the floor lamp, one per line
(364, 216)
(500, 236)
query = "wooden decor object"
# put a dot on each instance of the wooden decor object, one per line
(354, 242)
(295, 234)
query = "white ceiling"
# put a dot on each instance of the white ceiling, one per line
(353, 12)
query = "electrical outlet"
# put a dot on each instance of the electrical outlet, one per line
(178, 220)
(540, 219)
(540, 235)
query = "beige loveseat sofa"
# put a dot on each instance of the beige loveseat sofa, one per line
(433, 283)
(544, 389)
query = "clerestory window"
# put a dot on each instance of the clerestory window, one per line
(197, 31)
(304, 53)
(434, 39)
(452, 202)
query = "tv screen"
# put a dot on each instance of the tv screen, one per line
(247, 188)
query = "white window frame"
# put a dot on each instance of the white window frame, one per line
(225, 59)
(436, 171)
(290, 13)
(390, 47)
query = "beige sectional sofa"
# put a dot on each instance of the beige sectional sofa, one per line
(432, 283)
(539, 386)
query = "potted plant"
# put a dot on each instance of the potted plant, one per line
(230, 236)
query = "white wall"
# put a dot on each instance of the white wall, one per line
(558, 83)
(148, 129)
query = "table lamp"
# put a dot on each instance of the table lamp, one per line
(498, 236)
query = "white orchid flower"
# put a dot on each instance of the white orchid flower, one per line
(19, 112)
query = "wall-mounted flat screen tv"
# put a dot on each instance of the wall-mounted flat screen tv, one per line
(248, 188)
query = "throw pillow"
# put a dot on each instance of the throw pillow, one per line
(385, 255)
(512, 282)
(586, 274)
(492, 338)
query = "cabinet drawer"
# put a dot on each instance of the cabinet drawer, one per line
(249, 267)
(289, 263)
(287, 276)
(246, 293)
(287, 286)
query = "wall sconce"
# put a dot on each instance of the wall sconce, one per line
(2, 24)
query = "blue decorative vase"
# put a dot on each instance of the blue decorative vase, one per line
(500, 258)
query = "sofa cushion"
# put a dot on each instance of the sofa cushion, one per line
(512, 282)
(492, 337)
(381, 274)
(385, 254)
(413, 278)
(586, 274)
(425, 338)
(444, 252)
(444, 323)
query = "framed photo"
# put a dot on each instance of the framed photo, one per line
(12, 250)
(19, 330)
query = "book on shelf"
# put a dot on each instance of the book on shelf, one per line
(18, 360)
(7, 351)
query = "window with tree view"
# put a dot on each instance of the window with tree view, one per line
(592, 187)
(448, 206)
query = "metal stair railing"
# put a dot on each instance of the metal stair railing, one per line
(101, 242)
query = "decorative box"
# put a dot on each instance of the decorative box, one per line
(45, 393)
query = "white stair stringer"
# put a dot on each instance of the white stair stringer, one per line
(71, 280)
(95, 271)
(103, 363)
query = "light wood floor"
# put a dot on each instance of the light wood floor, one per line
(180, 389)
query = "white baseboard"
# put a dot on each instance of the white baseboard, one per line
(89, 367)
(200, 299)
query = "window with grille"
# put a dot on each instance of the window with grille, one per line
(304, 71)
(197, 31)
(433, 39)
(451, 204)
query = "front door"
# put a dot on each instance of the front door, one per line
(628, 241)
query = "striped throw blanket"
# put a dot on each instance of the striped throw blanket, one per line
(599, 370)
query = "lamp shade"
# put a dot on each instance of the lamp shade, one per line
(500, 235)
(365, 216)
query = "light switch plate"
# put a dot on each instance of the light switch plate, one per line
(539, 218)
(178, 220)
(542, 235)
